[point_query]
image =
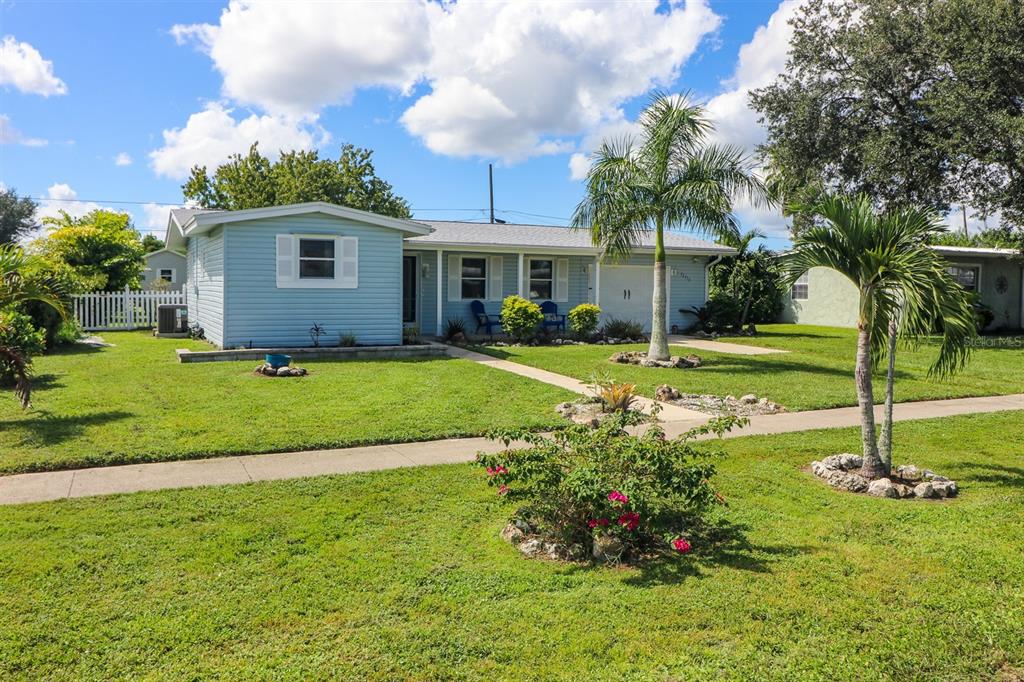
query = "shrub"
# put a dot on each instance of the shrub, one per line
(410, 335)
(752, 279)
(347, 340)
(583, 320)
(455, 329)
(520, 318)
(646, 490)
(622, 329)
(17, 331)
(719, 314)
(614, 397)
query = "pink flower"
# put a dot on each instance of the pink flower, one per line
(630, 520)
(681, 545)
(494, 471)
(502, 489)
(592, 523)
(490, 471)
(616, 496)
(602, 522)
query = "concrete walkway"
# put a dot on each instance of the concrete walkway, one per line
(42, 487)
(720, 346)
(668, 412)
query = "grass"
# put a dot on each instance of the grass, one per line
(817, 373)
(401, 575)
(135, 403)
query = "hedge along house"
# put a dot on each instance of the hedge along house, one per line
(262, 277)
(823, 296)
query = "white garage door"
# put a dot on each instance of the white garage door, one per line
(626, 293)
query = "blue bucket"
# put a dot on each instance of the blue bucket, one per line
(277, 360)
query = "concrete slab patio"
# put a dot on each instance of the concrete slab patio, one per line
(43, 487)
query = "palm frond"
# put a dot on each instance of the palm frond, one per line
(17, 365)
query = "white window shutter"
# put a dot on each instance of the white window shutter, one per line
(285, 259)
(454, 278)
(562, 280)
(496, 284)
(347, 262)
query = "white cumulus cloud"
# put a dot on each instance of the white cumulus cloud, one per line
(496, 79)
(11, 135)
(60, 197)
(23, 67)
(210, 136)
(123, 159)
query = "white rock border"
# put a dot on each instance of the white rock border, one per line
(907, 481)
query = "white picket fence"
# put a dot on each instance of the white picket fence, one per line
(105, 310)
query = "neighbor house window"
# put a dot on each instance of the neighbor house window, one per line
(167, 274)
(800, 287)
(316, 259)
(542, 278)
(966, 276)
(474, 278)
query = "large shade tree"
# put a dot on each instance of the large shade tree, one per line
(668, 177)
(102, 247)
(904, 292)
(254, 181)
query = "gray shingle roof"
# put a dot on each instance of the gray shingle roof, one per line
(512, 235)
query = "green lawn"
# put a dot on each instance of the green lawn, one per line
(134, 403)
(816, 373)
(401, 575)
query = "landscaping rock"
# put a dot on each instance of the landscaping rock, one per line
(924, 490)
(284, 372)
(512, 533)
(840, 479)
(749, 399)
(945, 488)
(718, 406)
(930, 475)
(666, 393)
(883, 487)
(637, 357)
(904, 490)
(909, 472)
(844, 461)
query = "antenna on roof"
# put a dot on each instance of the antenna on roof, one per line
(490, 187)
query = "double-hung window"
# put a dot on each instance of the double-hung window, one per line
(167, 274)
(316, 258)
(474, 278)
(966, 276)
(542, 278)
(801, 287)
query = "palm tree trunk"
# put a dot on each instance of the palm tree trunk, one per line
(885, 438)
(658, 349)
(872, 467)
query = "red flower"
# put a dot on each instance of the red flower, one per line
(630, 520)
(592, 523)
(502, 489)
(602, 522)
(496, 470)
(490, 471)
(616, 496)
(681, 545)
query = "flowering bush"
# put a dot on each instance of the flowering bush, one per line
(581, 483)
(520, 318)
(583, 320)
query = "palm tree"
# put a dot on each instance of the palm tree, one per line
(748, 258)
(16, 288)
(904, 292)
(669, 178)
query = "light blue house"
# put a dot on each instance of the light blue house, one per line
(262, 277)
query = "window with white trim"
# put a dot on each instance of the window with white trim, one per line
(474, 278)
(167, 274)
(801, 287)
(542, 278)
(316, 258)
(966, 276)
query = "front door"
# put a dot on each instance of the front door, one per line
(409, 288)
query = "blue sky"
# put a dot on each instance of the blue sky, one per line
(436, 91)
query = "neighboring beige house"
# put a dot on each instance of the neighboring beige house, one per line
(164, 266)
(824, 297)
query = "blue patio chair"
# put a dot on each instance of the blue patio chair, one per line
(483, 320)
(551, 316)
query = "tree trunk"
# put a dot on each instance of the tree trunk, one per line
(872, 468)
(885, 438)
(658, 349)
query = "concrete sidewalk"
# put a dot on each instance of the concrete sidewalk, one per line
(720, 346)
(42, 487)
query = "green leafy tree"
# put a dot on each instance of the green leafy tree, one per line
(904, 291)
(102, 247)
(17, 288)
(669, 178)
(253, 181)
(751, 278)
(913, 104)
(151, 243)
(17, 216)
